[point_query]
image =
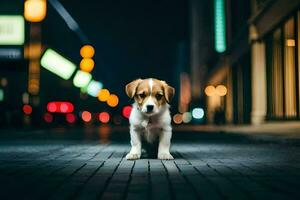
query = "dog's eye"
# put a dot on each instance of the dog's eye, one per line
(142, 95)
(158, 96)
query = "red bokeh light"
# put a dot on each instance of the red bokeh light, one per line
(70, 117)
(63, 107)
(104, 117)
(27, 109)
(60, 107)
(51, 107)
(86, 116)
(48, 117)
(126, 111)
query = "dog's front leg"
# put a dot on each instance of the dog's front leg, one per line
(136, 146)
(164, 144)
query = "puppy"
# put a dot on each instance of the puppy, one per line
(150, 116)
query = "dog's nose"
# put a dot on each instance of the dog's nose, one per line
(150, 108)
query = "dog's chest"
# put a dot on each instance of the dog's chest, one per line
(152, 128)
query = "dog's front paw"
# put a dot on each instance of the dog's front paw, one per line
(133, 156)
(165, 156)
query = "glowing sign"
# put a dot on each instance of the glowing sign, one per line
(12, 31)
(220, 26)
(57, 64)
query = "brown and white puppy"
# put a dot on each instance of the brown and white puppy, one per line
(150, 116)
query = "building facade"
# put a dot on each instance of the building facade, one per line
(261, 64)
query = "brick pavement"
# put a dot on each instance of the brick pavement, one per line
(77, 169)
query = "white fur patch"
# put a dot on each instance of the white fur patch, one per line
(151, 85)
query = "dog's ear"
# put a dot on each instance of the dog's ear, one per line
(130, 88)
(168, 91)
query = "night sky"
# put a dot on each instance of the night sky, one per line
(132, 38)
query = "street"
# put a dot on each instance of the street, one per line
(85, 164)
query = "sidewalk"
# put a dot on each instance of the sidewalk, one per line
(285, 130)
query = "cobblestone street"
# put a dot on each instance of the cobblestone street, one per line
(213, 168)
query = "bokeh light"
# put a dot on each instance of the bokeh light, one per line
(87, 64)
(82, 79)
(221, 90)
(57, 64)
(70, 117)
(126, 111)
(60, 107)
(103, 95)
(113, 100)
(177, 118)
(63, 107)
(48, 117)
(186, 117)
(93, 88)
(87, 51)
(1, 94)
(210, 90)
(51, 107)
(86, 116)
(104, 117)
(27, 109)
(198, 113)
(35, 10)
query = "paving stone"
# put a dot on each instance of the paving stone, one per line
(75, 169)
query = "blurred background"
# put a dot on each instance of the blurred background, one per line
(66, 63)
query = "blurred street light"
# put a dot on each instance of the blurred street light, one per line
(12, 30)
(87, 51)
(177, 118)
(104, 117)
(35, 10)
(82, 79)
(103, 95)
(71, 118)
(113, 100)
(57, 64)
(48, 117)
(126, 111)
(210, 90)
(27, 109)
(186, 117)
(93, 88)
(1, 95)
(60, 107)
(86, 116)
(220, 26)
(87, 64)
(221, 90)
(198, 113)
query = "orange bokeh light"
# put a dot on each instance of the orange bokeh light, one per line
(210, 90)
(177, 118)
(104, 117)
(113, 100)
(103, 95)
(35, 10)
(86, 116)
(87, 64)
(221, 90)
(87, 51)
